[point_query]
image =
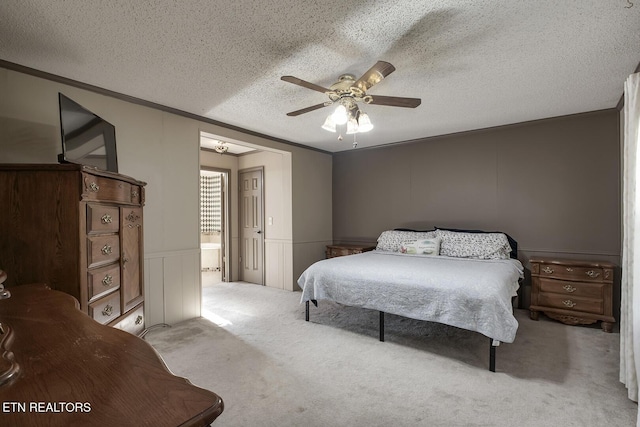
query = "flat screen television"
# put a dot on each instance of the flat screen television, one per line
(86, 138)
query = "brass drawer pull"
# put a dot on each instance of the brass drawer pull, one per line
(106, 219)
(133, 217)
(592, 273)
(138, 320)
(569, 303)
(548, 270)
(106, 250)
(94, 187)
(108, 310)
(108, 280)
(569, 288)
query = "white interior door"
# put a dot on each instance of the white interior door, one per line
(251, 226)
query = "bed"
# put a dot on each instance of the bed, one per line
(459, 278)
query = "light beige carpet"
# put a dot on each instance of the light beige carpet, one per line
(272, 368)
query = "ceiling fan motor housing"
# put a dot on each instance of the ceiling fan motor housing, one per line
(345, 91)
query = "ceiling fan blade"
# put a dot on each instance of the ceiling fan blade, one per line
(306, 110)
(300, 82)
(375, 74)
(394, 101)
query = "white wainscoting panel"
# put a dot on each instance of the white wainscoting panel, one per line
(172, 287)
(278, 264)
(153, 291)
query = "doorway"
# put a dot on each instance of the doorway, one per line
(214, 225)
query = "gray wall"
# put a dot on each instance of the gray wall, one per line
(554, 185)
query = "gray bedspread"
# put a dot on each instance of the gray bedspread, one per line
(466, 293)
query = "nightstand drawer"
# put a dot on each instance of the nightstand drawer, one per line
(582, 274)
(565, 287)
(333, 251)
(586, 305)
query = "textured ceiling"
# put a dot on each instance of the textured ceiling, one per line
(475, 64)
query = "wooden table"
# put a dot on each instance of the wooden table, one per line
(59, 367)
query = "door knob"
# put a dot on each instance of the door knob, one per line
(259, 231)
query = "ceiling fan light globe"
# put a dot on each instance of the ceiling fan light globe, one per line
(352, 126)
(364, 123)
(329, 124)
(340, 116)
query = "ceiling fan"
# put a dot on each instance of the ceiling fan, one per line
(347, 92)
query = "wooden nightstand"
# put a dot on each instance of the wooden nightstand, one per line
(342, 250)
(573, 292)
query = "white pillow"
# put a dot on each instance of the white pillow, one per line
(391, 240)
(422, 247)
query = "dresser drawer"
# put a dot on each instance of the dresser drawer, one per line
(103, 249)
(581, 304)
(102, 219)
(106, 309)
(132, 322)
(582, 274)
(103, 280)
(566, 287)
(100, 188)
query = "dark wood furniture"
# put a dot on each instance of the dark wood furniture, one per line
(59, 367)
(80, 231)
(573, 292)
(333, 251)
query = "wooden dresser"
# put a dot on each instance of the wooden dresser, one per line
(58, 367)
(573, 292)
(333, 251)
(80, 231)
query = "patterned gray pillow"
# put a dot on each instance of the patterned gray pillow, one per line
(474, 245)
(392, 240)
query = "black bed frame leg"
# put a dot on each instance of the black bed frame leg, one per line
(382, 326)
(306, 308)
(492, 356)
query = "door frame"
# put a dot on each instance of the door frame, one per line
(226, 221)
(240, 212)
